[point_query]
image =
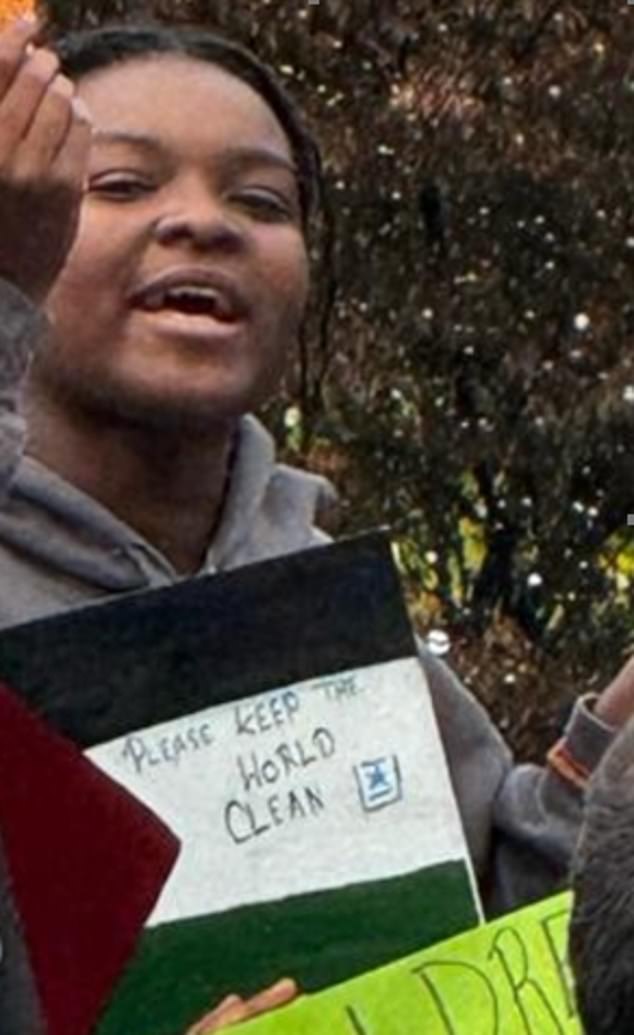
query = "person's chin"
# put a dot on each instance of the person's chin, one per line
(186, 405)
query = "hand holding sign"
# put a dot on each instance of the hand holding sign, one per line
(234, 1009)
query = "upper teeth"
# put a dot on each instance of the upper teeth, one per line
(193, 291)
(158, 298)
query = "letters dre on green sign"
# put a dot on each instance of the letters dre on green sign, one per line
(510, 977)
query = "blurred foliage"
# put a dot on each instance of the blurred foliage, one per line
(467, 371)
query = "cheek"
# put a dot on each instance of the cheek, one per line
(66, 293)
(80, 291)
(93, 268)
(291, 280)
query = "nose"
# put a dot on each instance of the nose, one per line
(196, 217)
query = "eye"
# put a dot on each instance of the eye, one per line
(120, 186)
(267, 205)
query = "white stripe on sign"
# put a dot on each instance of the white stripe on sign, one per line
(330, 782)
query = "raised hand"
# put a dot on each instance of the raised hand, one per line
(616, 704)
(44, 142)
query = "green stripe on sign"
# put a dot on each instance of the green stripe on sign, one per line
(183, 968)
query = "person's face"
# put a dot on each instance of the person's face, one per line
(188, 277)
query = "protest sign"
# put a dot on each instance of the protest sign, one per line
(510, 977)
(277, 718)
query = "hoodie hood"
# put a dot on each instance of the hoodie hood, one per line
(270, 508)
(58, 546)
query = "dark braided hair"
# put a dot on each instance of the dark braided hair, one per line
(90, 50)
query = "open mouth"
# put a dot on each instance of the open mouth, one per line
(198, 297)
(190, 301)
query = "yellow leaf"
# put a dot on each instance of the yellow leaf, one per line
(10, 9)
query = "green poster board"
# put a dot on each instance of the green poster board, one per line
(510, 977)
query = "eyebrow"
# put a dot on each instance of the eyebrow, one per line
(236, 157)
(140, 140)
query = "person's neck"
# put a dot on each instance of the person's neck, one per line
(168, 487)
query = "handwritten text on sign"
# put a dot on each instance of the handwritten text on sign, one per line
(508, 978)
(318, 785)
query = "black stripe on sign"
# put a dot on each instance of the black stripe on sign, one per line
(99, 672)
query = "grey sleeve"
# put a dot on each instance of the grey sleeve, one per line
(21, 328)
(521, 822)
(537, 817)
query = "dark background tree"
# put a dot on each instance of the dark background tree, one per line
(467, 371)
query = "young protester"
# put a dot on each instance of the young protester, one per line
(156, 191)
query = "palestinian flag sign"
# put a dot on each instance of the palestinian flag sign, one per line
(278, 720)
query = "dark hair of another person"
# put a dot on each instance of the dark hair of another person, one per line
(602, 927)
(93, 49)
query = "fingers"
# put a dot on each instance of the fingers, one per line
(42, 126)
(230, 1011)
(71, 161)
(234, 1009)
(45, 136)
(47, 131)
(616, 704)
(14, 43)
(20, 104)
(279, 994)
(58, 139)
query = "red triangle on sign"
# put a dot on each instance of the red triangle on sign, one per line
(86, 860)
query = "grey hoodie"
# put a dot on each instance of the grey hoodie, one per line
(61, 549)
